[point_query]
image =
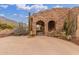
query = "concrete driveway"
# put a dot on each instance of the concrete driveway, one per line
(38, 45)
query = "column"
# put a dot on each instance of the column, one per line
(77, 32)
(34, 28)
(46, 28)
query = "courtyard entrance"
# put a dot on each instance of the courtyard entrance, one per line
(40, 28)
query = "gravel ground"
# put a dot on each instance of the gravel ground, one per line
(38, 45)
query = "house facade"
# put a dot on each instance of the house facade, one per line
(50, 20)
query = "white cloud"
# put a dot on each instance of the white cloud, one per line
(38, 7)
(26, 16)
(32, 8)
(22, 6)
(58, 6)
(4, 6)
(14, 14)
(18, 15)
(2, 15)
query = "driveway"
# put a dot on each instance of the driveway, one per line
(38, 45)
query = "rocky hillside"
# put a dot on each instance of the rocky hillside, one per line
(8, 27)
(7, 21)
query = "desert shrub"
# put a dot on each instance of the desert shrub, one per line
(61, 35)
(10, 26)
(20, 30)
(6, 26)
(54, 34)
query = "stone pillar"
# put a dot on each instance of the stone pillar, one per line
(77, 32)
(46, 28)
(34, 28)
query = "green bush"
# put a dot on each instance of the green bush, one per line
(6, 26)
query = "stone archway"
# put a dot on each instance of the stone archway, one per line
(51, 25)
(40, 28)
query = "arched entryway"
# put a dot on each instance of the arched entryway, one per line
(51, 25)
(40, 28)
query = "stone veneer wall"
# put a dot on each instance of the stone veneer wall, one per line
(59, 15)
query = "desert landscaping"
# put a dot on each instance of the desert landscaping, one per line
(52, 31)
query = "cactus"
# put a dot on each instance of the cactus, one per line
(70, 26)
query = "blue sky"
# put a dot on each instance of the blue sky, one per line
(19, 12)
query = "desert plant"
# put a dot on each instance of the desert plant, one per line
(6, 26)
(20, 30)
(70, 27)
